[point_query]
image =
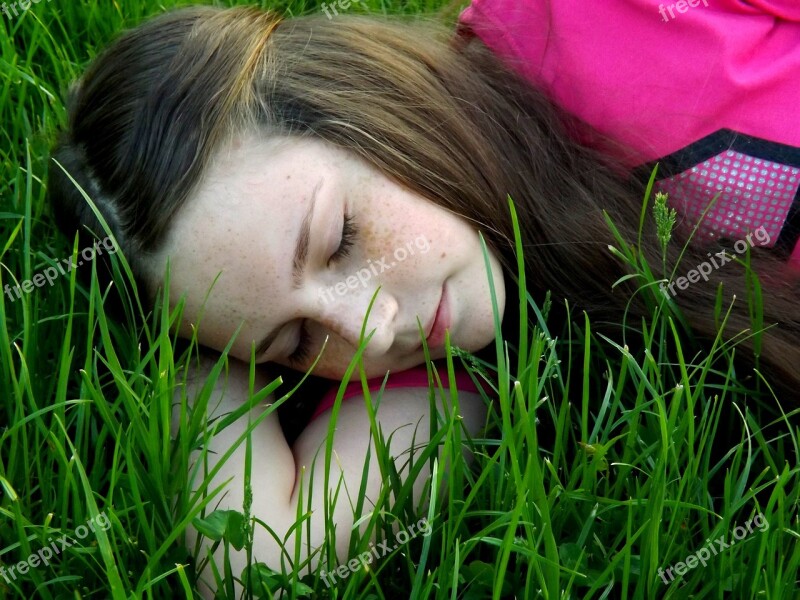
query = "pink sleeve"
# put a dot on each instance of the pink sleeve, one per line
(411, 378)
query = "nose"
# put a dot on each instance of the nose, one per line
(344, 314)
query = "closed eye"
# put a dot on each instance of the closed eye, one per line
(349, 235)
(303, 348)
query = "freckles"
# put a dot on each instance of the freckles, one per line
(368, 234)
(375, 239)
(388, 248)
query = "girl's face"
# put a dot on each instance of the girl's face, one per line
(299, 236)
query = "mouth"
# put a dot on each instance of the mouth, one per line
(441, 321)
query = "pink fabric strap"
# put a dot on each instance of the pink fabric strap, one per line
(411, 378)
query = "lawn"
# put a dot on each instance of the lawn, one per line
(607, 469)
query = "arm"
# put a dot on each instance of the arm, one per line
(277, 468)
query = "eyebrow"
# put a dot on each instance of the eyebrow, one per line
(299, 262)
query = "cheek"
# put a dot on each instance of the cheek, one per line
(412, 239)
(334, 361)
(379, 239)
(334, 365)
(337, 357)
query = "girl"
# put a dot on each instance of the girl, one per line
(271, 162)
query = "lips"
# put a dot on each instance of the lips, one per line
(441, 321)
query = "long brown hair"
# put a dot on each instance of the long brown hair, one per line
(440, 115)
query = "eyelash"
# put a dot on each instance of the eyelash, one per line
(303, 349)
(349, 235)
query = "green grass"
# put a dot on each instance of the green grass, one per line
(602, 463)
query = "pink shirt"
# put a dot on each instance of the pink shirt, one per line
(709, 88)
